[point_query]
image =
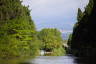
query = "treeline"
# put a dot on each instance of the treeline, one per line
(51, 41)
(17, 31)
(83, 39)
(18, 35)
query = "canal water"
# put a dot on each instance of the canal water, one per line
(53, 60)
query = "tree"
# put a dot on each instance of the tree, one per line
(17, 31)
(83, 40)
(79, 15)
(51, 40)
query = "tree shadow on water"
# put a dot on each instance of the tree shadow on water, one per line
(85, 60)
(26, 63)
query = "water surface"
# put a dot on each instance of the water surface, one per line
(53, 60)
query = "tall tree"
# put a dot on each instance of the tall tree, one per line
(79, 15)
(17, 31)
(83, 41)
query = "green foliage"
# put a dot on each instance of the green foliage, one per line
(17, 31)
(82, 42)
(58, 52)
(80, 14)
(89, 7)
(10, 9)
(51, 40)
(69, 40)
(79, 17)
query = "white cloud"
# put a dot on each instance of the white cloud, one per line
(49, 8)
(43, 11)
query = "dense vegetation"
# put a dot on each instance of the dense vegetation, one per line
(51, 41)
(18, 36)
(17, 31)
(83, 40)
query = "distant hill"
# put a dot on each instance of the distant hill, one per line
(65, 36)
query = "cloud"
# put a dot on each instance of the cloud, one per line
(52, 7)
(47, 13)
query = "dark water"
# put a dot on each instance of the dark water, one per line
(61, 60)
(53, 60)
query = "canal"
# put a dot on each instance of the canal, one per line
(53, 60)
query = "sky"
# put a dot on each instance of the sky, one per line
(60, 14)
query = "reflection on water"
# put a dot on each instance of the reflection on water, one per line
(25, 63)
(53, 60)
(86, 60)
(57, 60)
